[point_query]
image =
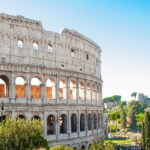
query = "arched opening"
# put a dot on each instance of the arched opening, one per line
(89, 122)
(4, 84)
(2, 118)
(95, 121)
(93, 92)
(50, 49)
(36, 117)
(83, 147)
(21, 117)
(35, 46)
(74, 123)
(88, 91)
(81, 91)
(20, 87)
(20, 44)
(62, 89)
(50, 89)
(35, 88)
(51, 124)
(63, 124)
(82, 122)
(72, 90)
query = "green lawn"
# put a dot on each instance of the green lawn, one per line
(121, 141)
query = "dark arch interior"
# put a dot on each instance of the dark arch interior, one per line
(74, 123)
(51, 124)
(63, 123)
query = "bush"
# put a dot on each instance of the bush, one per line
(61, 147)
(22, 135)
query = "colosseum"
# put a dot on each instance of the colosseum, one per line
(54, 77)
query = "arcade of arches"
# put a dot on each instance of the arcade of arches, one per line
(77, 123)
(36, 89)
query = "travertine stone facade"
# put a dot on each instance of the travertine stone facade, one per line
(54, 77)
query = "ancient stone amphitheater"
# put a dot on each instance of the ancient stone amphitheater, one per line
(54, 77)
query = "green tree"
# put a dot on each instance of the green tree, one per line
(114, 98)
(131, 118)
(123, 119)
(61, 147)
(146, 131)
(22, 135)
(134, 94)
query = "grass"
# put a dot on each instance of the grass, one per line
(121, 141)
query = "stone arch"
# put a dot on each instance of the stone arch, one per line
(74, 123)
(36, 117)
(82, 122)
(73, 89)
(81, 90)
(20, 86)
(83, 147)
(88, 91)
(90, 146)
(63, 124)
(89, 122)
(51, 124)
(50, 89)
(21, 117)
(62, 89)
(95, 121)
(4, 86)
(20, 43)
(35, 87)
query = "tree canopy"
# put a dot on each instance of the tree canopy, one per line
(146, 131)
(114, 98)
(22, 135)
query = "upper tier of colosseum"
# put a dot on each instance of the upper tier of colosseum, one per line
(24, 41)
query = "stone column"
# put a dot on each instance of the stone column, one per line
(92, 122)
(68, 124)
(43, 92)
(57, 88)
(96, 98)
(91, 90)
(78, 123)
(86, 122)
(85, 91)
(45, 123)
(68, 89)
(57, 125)
(13, 89)
(77, 90)
(28, 87)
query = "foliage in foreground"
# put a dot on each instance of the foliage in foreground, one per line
(22, 135)
(146, 131)
(102, 146)
(61, 147)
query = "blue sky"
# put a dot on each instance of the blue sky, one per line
(120, 27)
